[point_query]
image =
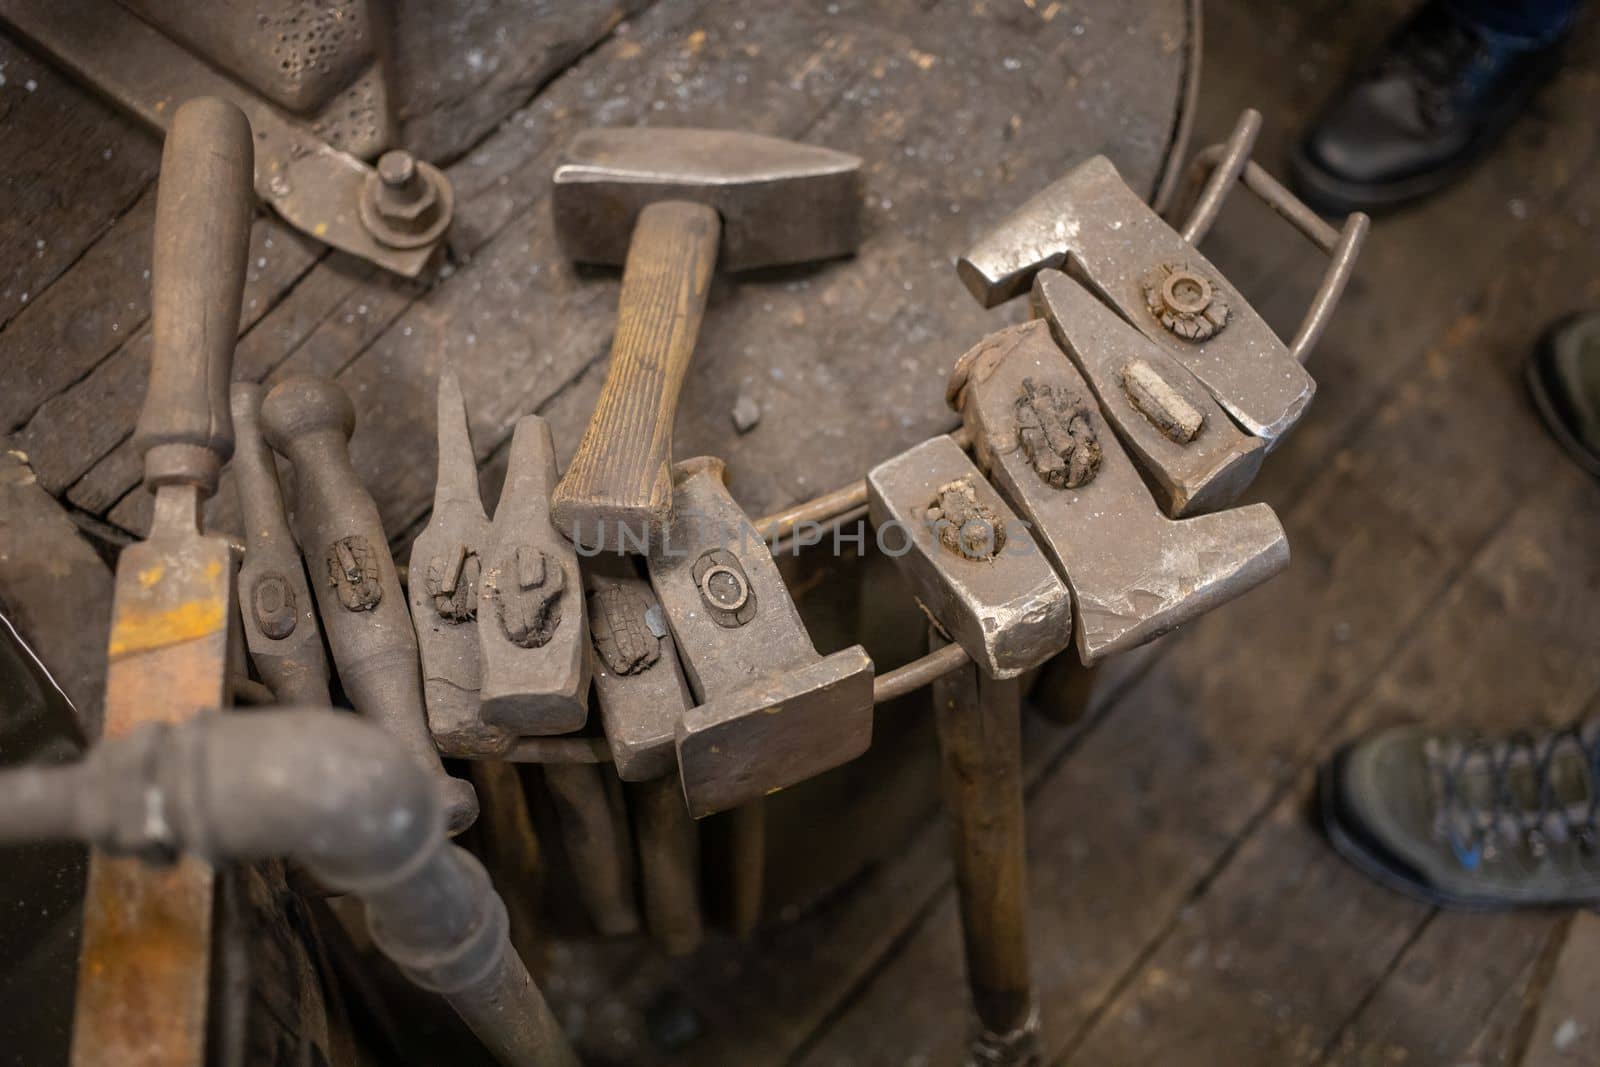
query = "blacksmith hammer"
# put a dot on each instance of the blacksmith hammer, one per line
(1134, 573)
(145, 960)
(969, 560)
(670, 204)
(642, 696)
(771, 711)
(309, 421)
(1091, 225)
(280, 617)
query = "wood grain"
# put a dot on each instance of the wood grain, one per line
(619, 486)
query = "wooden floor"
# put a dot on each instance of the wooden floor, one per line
(1185, 908)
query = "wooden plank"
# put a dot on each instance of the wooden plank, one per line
(73, 166)
(458, 69)
(1565, 1033)
(65, 333)
(73, 429)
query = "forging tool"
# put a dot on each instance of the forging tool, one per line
(144, 963)
(671, 205)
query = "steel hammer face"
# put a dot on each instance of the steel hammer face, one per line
(1193, 456)
(771, 711)
(1099, 231)
(968, 558)
(532, 631)
(1134, 573)
(779, 201)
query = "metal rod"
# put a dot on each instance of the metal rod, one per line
(749, 833)
(918, 673)
(1225, 162)
(1341, 264)
(334, 793)
(979, 722)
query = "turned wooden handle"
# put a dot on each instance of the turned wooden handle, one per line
(617, 491)
(202, 241)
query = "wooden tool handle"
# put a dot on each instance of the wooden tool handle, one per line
(617, 492)
(202, 242)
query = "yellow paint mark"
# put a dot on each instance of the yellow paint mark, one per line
(630, 50)
(151, 575)
(697, 40)
(141, 631)
(319, 229)
(213, 569)
(923, 60)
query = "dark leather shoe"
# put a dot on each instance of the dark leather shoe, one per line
(1564, 378)
(1437, 99)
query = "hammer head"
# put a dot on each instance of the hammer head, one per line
(780, 202)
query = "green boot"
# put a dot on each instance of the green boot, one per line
(1466, 822)
(1564, 378)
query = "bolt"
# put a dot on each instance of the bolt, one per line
(273, 603)
(397, 167)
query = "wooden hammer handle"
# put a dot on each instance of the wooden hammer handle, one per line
(617, 491)
(202, 243)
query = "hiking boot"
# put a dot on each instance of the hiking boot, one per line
(1435, 100)
(1564, 378)
(1461, 821)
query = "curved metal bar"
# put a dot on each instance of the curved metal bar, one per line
(1343, 258)
(918, 673)
(1225, 162)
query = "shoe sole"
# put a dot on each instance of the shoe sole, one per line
(1544, 404)
(1370, 859)
(1329, 194)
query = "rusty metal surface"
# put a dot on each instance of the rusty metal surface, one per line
(316, 187)
(1151, 402)
(1096, 227)
(533, 631)
(989, 586)
(363, 609)
(143, 970)
(300, 54)
(779, 201)
(637, 680)
(1134, 573)
(772, 712)
(275, 603)
(445, 573)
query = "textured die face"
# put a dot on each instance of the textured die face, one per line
(1134, 573)
(969, 559)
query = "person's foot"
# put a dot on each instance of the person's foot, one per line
(1564, 378)
(1435, 100)
(1470, 823)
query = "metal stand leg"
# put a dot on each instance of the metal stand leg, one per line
(669, 864)
(597, 842)
(979, 723)
(749, 865)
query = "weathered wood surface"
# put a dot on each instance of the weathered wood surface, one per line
(1184, 909)
(955, 107)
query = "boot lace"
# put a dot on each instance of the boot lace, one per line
(1476, 820)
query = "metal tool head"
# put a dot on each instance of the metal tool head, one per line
(637, 680)
(532, 631)
(780, 201)
(772, 712)
(446, 566)
(968, 558)
(1093, 226)
(1134, 573)
(1191, 454)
